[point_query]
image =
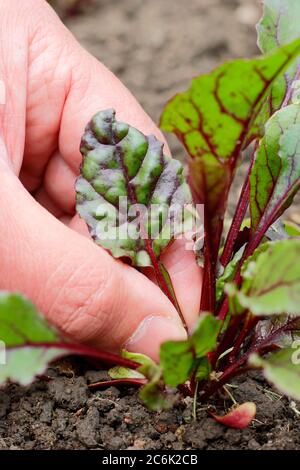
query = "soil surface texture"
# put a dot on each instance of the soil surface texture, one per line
(155, 47)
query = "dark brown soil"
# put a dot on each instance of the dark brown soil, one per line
(64, 414)
(155, 47)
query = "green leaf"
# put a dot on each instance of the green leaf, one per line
(214, 120)
(124, 373)
(279, 25)
(23, 365)
(271, 280)
(228, 274)
(22, 329)
(177, 361)
(275, 176)
(20, 322)
(154, 398)
(282, 369)
(292, 230)
(203, 369)
(28, 343)
(204, 337)
(129, 193)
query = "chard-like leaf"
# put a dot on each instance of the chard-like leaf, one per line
(215, 119)
(282, 369)
(279, 25)
(179, 359)
(129, 193)
(271, 280)
(28, 343)
(275, 175)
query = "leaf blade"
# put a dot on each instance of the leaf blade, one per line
(271, 280)
(275, 175)
(122, 167)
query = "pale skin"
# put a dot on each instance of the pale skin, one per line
(52, 89)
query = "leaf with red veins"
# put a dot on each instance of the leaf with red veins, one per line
(133, 198)
(279, 25)
(215, 119)
(239, 418)
(28, 343)
(275, 175)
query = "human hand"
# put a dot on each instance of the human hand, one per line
(53, 87)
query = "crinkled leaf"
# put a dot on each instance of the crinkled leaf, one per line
(275, 176)
(282, 369)
(279, 25)
(129, 193)
(214, 119)
(271, 280)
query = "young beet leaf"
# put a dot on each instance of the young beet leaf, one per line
(278, 26)
(29, 343)
(120, 164)
(215, 119)
(275, 176)
(282, 369)
(271, 280)
(135, 201)
(133, 198)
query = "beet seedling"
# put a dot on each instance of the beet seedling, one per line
(136, 202)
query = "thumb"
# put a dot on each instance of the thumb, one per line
(79, 287)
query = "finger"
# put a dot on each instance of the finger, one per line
(186, 278)
(78, 286)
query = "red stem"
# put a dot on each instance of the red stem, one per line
(235, 368)
(208, 296)
(249, 325)
(82, 350)
(239, 215)
(118, 382)
(161, 280)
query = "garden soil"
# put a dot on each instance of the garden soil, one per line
(155, 47)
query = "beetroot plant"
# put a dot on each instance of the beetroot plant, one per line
(136, 201)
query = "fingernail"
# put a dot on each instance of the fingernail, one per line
(152, 332)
